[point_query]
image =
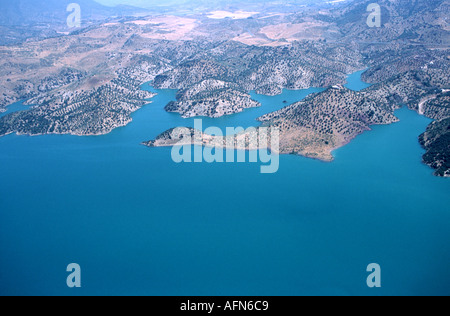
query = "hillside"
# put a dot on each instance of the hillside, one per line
(22, 20)
(215, 58)
(211, 98)
(29, 12)
(436, 140)
(323, 122)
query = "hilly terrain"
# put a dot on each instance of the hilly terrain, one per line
(87, 82)
(21, 20)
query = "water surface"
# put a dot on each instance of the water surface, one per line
(15, 107)
(138, 223)
(354, 81)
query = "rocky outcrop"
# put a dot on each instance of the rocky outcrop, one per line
(211, 98)
(325, 121)
(436, 140)
(92, 112)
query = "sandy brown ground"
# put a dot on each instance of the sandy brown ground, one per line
(291, 32)
(170, 28)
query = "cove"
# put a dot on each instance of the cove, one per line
(139, 224)
(15, 107)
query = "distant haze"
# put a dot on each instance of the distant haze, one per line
(140, 3)
(146, 3)
(152, 3)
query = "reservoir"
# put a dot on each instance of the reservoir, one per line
(139, 224)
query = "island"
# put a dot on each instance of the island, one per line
(88, 82)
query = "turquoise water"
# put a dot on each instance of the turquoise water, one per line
(137, 223)
(354, 81)
(15, 107)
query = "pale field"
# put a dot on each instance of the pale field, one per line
(285, 33)
(89, 52)
(141, 22)
(218, 15)
(307, 143)
(64, 52)
(308, 30)
(170, 28)
(251, 40)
